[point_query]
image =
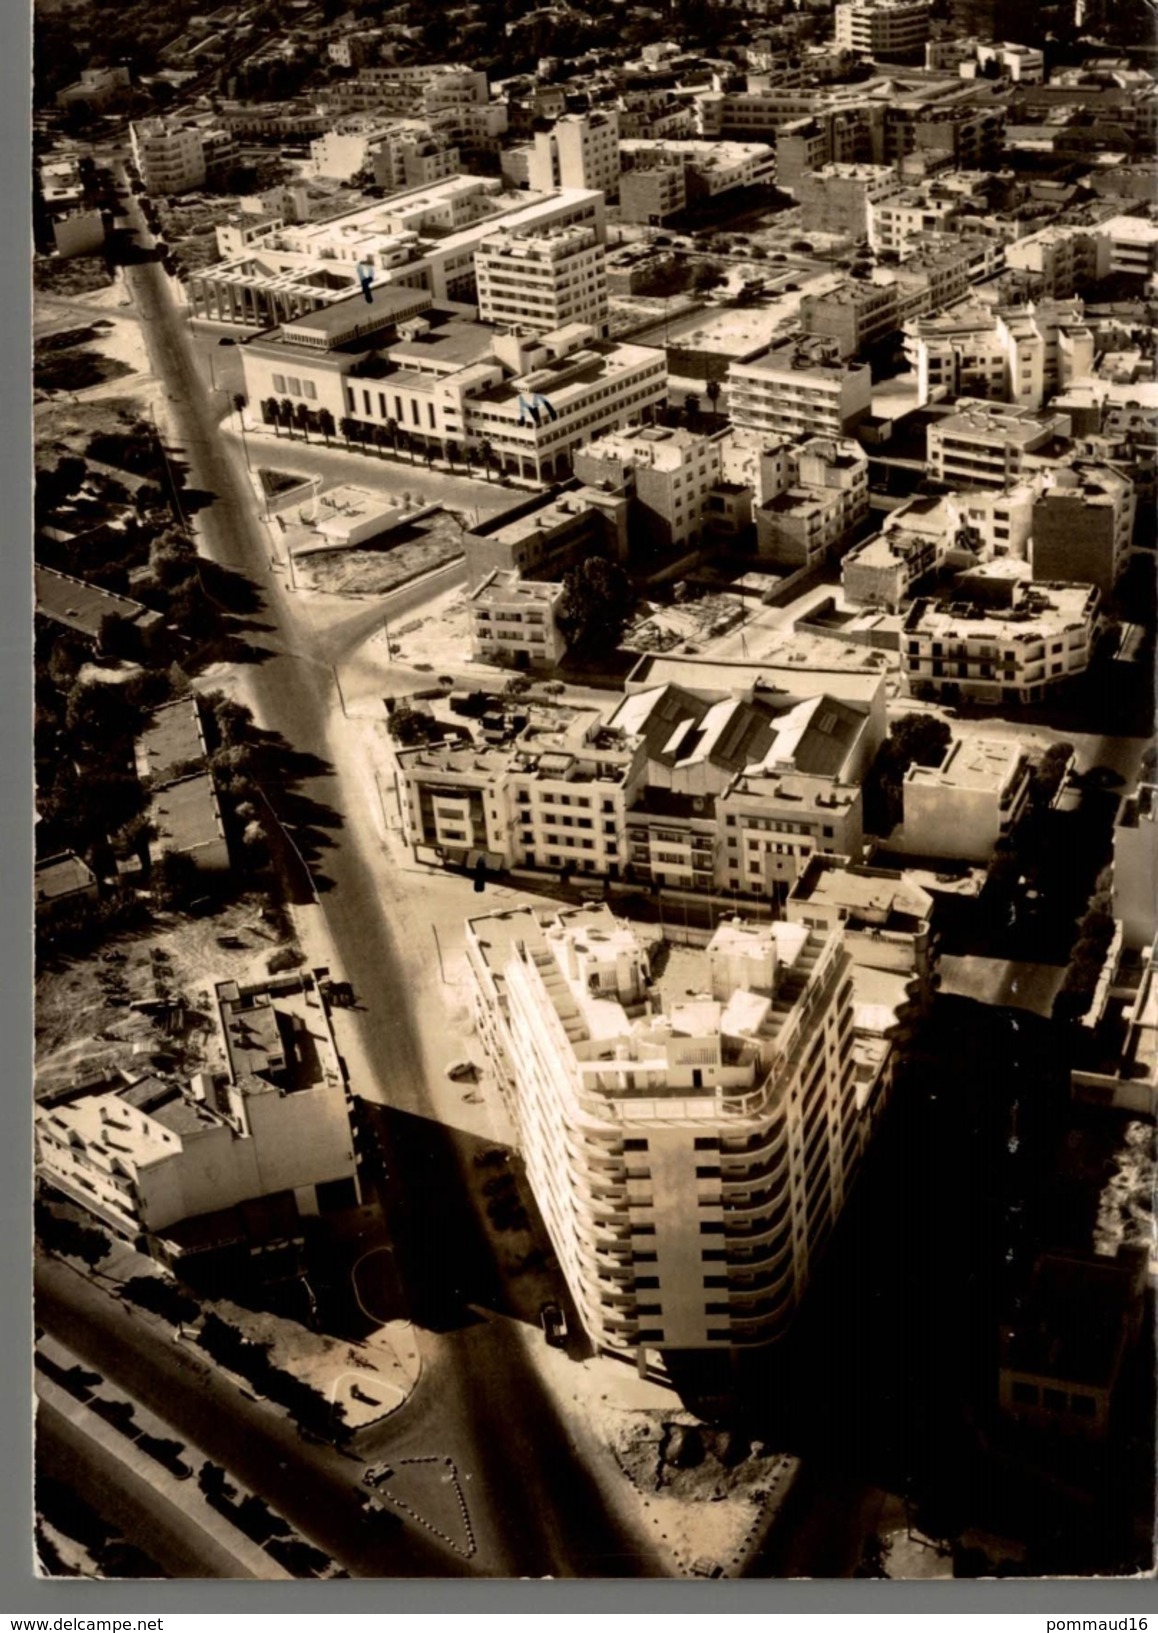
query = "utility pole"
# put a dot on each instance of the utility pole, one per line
(438, 950)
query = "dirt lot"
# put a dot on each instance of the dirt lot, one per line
(84, 1022)
(76, 358)
(369, 570)
(189, 225)
(659, 629)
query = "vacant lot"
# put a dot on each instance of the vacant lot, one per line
(375, 569)
(79, 275)
(85, 1022)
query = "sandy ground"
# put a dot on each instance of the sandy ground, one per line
(377, 569)
(122, 341)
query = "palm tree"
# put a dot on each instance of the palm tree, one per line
(404, 442)
(452, 454)
(346, 427)
(381, 438)
(487, 454)
(301, 416)
(326, 424)
(270, 412)
(712, 392)
(285, 412)
(392, 433)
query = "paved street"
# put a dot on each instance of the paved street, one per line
(478, 1395)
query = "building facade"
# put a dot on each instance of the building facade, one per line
(690, 1155)
(542, 281)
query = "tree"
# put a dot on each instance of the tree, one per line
(452, 454)
(271, 414)
(595, 605)
(285, 413)
(486, 453)
(409, 727)
(174, 880)
(391, 429)
(918, 739)
(119, 637)
(1047, 778)
(301, 417)
(346, 426)
(712, 392)
(326, 424)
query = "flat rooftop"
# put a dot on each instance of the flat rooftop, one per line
(81, 606)
(173, 739)
(185, 815)
(979, 764)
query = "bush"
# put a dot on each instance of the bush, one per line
(162, 1297)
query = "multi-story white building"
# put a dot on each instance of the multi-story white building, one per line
(169, 155)
(513, 621)
(997, 653)
(990, 445)
(660, 175)
(153, 1155)
(963, 807)
(542, 281)
(897, 221)
(1016, 354)
(423, 238)
(440, 379)
(690, 1138)
(790, 392)
(883, 28)
(579, 150)
(822, 500)
(670, 473)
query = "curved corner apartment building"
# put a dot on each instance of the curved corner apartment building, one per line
(689, 1117)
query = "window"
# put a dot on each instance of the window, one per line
(310, 390)
(646, 1281)
(647, 1230)
(711, 1227)
(708, 1171)
(707, 1142)
(652, 1335)
(279, 382)
(635, 1145)
(650, 1309)
(1025, 1394)
(293, 385)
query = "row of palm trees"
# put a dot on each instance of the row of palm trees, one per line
(282, 413)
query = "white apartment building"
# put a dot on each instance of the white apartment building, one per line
(812, 513)
(168, 154)
(579, 150)
(964, 806)
(671, 473)
(153, 1155)
(423, 238)
(789, 393)
(690, 1138)
(898, 221)
(1017, 354)
(513, 621)
(542, 281)
(989, 444)
(1012, 653)
(883, 28)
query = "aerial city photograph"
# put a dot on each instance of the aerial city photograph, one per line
(596, 809)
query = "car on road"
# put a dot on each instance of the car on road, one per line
(462, 1071)
(227, 340)
(554, 1324)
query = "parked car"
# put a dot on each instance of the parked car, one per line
(554, 1324)
(462, 1071)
